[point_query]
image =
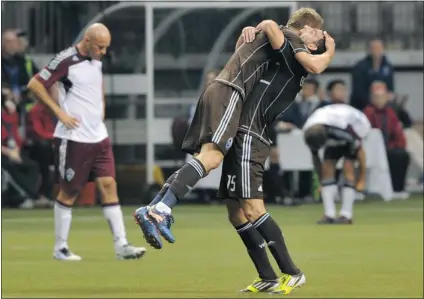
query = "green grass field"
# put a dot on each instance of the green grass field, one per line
(381, 255)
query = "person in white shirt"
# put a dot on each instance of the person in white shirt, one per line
(82, 146)
(339, 129)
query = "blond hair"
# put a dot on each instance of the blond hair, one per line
(305, 16)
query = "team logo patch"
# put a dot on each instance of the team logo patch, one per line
(45, 74)
(229, 143)
(69, 174)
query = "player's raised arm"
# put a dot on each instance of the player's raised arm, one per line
(316, 64)
(43, 81)
(273, 32)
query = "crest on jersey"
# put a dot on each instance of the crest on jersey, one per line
(45, 74)
(69, 174)
(229, 143)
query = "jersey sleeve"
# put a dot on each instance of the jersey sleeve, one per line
(292, 45)
(53, 72)
(295, 42)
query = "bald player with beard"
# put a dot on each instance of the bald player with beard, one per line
(83, 150)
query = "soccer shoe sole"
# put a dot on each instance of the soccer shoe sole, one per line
(150, 239)
(169, 240)
(135, 256)
(283, 293)
(75, 259)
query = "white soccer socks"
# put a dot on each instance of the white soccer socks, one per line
(348, 199)
(113, 215)
(62, 225)
(328, 194)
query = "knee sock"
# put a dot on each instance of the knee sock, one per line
(348, 199)
(114, 218)
(162, 191)
(184, 181)
(272, 234)
(62, 224)
(329, 191)
(256, 248)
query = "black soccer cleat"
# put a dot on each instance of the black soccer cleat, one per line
(326, 220)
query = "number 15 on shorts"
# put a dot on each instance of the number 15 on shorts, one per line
(231, 183)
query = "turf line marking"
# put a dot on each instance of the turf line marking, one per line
(95, 218)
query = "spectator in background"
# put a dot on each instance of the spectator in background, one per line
(374, 67)
(23, 170)
(337, 93)
(40, 127)
(383, 117)
(308, 99)
(13, 70)
(306, 102)
(30, 66)
(295, 117)
(398, 103)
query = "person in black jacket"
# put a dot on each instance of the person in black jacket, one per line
(374, 67)
(13, 70)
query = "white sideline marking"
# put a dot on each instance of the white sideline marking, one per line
(98, 217)
(43, 219)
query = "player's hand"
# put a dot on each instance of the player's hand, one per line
(285, 126)
(249, 34)
(15, 156)
(360, 185)
(69, 121)
(330, 44)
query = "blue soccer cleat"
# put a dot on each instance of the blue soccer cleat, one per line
(163, 222)
(148, 227)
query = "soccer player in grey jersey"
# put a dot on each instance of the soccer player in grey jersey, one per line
(217, 116)
(243, 167)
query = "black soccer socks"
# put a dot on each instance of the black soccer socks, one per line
(257, 251)
(269, 230)
(162, 191)
(184, 181)
(187, 177)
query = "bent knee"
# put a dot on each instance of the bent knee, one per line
(253, 209)
(236, 217)
(211, 159)
(67, 198)
(349, 170)
(235, 213)
(107, 186)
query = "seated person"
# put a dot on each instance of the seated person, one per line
(383, 117)
(306, 102)
(336, 92)
(40, 128)
(295, 117)
(23, 170)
